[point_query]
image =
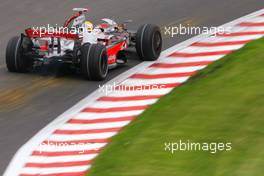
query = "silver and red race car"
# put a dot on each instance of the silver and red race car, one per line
(92, 50)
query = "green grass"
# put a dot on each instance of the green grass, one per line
(223, 103)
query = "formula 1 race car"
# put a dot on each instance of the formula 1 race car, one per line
(92, 50)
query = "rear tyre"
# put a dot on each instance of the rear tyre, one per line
(148, 42)
(94, 62)
(15, 60)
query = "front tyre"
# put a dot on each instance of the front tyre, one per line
(15, 60)
(94, 62)
(148, 42)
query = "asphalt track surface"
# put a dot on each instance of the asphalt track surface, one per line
(28, 102)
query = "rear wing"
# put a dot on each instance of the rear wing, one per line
(80, 10)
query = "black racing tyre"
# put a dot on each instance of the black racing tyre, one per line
(94, 62)
(148, 42)
(15, 61)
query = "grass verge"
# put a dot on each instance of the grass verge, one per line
(222, 103)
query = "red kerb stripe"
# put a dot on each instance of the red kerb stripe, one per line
(213, 53)
(251, 24)
(115, 109)
(207, 44)
(58, 174)
(188, 64)
(158, 76)
(58, 164)
(105, 120)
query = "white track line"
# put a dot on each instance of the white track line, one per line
(214, 39)
(171, 70)
(194, 49)
(94, 126)
(103, 104)
(58, 170)
(44, 159)
(99, 116)
(57, 137)
(140, 82)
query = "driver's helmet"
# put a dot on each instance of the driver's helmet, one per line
(88, 26)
